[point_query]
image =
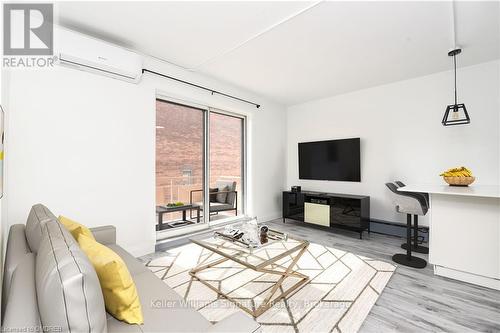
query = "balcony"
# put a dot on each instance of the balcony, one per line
(187, 190)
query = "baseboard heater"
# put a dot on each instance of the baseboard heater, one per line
(397, 229)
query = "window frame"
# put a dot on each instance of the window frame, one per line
(207, 110)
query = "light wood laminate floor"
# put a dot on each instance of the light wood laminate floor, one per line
(414, 300)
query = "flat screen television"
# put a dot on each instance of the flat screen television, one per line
(330, 160)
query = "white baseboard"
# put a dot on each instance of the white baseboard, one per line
(467, 277)
(269, 217)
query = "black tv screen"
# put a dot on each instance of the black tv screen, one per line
(330, 160)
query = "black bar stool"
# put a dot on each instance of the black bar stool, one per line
(410, 205)
(415, 247)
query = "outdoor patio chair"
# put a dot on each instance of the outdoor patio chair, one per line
(223, 197)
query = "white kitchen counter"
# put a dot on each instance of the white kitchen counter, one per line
(487, 191)
(464, 232)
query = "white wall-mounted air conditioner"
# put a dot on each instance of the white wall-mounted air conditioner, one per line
(93, 55)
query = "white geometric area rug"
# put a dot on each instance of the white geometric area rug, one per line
(343, 288)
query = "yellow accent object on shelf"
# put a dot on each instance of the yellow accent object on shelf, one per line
(118, 288)
(75, 228)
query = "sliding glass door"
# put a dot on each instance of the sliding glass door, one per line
(226, 165)
(200, 158)
(180, 164)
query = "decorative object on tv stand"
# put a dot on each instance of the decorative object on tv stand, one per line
(458, 176)
(455, 114)
(296, 188)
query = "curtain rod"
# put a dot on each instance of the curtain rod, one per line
(144, 70)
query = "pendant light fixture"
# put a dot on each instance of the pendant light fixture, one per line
(455, 114)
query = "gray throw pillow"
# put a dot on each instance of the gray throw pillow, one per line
(68, 290)
(39, 215)
(222, 197)
(213, 194)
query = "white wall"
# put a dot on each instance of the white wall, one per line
(84, 145)
(2, 225)
(401, 133)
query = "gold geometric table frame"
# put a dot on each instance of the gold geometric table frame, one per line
(267, 266)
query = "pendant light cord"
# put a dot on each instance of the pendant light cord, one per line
(456, 109)
(454, 35)
(455, 66)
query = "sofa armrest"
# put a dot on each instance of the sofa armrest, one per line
(105, 234)
(17, 248)
(238, 322)
(21, 310)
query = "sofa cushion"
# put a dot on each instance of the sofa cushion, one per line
(133, 265)
(164, 310)
(68, 290)
(118, 326)
(118, 288)
(21, 311)
(220, 207)
(17, 248)
(38, 216)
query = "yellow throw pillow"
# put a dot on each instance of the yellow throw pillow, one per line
(118, 288)
(75, 228)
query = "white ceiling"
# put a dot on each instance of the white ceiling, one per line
(293, 52)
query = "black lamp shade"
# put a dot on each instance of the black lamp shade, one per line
(455, 114)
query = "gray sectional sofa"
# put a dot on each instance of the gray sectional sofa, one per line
(49, 283)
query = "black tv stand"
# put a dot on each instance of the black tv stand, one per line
(328, 210)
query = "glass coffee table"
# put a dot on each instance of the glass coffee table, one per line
(259, 260)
